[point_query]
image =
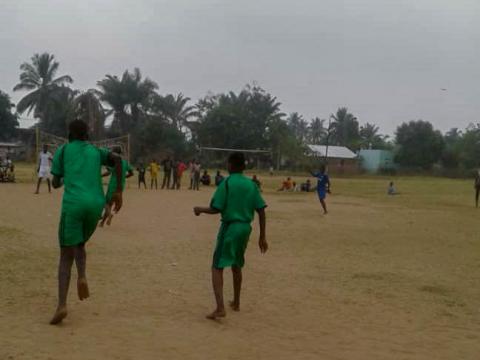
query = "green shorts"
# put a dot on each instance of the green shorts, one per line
(78, 225)
(232, 242)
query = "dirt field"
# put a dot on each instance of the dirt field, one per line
(377, 278)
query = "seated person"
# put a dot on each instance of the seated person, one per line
(218, 178)
(256, 181)
(205, 179)
(294, 187)
(306, 186)
(391, 189)
(287, 185)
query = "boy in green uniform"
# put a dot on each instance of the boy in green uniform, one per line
(127, 171)
(236, 199)
(79, 165)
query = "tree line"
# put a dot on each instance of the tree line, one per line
(249, 119)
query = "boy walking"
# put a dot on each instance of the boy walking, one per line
(323, 186)
(43, 170)
(78, 165)
(236, 199)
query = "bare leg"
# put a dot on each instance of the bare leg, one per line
(49, 186)
(477, 193)
(324, 206)
(217, 282)
(38, 185)
(237, 286)
(107, 214)
(64, 272)
(81, 263)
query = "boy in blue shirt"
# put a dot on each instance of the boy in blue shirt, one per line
(323, 186)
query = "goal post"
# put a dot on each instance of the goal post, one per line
(256, 158)
(54, 142)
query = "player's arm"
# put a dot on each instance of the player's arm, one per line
(262, 220)
(205, 210)
(329, 186)
(57, 182)
(129, 173)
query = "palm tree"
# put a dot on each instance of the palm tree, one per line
(317, 131)
(370, 137)
(39, 78)
(176, 110)
(114, 94)
(344, 128)
(130, 93)
(298, 125)
(139, 92)
(88, 107)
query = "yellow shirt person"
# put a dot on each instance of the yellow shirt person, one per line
(154, 169)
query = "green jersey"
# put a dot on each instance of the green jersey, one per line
(80, 165)
(112, 185)
(237, 197)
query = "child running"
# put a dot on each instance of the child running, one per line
(78, 165)
(127, 171)
(236, 199)
(323, 186)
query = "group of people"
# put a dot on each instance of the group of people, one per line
(322, 188)
(7, 170)
(77, 166)
(173, 171)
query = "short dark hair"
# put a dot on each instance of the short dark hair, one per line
(237, 161)
(78, 130)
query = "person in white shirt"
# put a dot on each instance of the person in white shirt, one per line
(43, 170)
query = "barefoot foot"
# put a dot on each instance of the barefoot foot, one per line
(234, 306)
(82, 289)
(216, 314)
(60, 314)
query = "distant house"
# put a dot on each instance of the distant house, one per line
(374, 160)
(14, 150)
(340, 158)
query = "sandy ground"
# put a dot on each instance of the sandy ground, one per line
(377, 278)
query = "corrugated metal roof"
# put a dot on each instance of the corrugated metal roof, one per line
(334, 152)
(7, 144)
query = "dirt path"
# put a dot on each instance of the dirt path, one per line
(372, 280)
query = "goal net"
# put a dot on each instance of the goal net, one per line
(54, 142)
(216, 157)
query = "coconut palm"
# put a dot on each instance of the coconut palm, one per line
(128, 97)
(344, 128)
(176, 110)
(317, 131)
(88, 107)
(298, 125)
(370, 137)
(38, 77)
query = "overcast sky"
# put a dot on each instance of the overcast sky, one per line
(386, 60)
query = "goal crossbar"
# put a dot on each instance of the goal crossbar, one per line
(236, 150)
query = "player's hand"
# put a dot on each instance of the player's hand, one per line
(263, 245)
(329, 191)
(117, 200)
(197, 211)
